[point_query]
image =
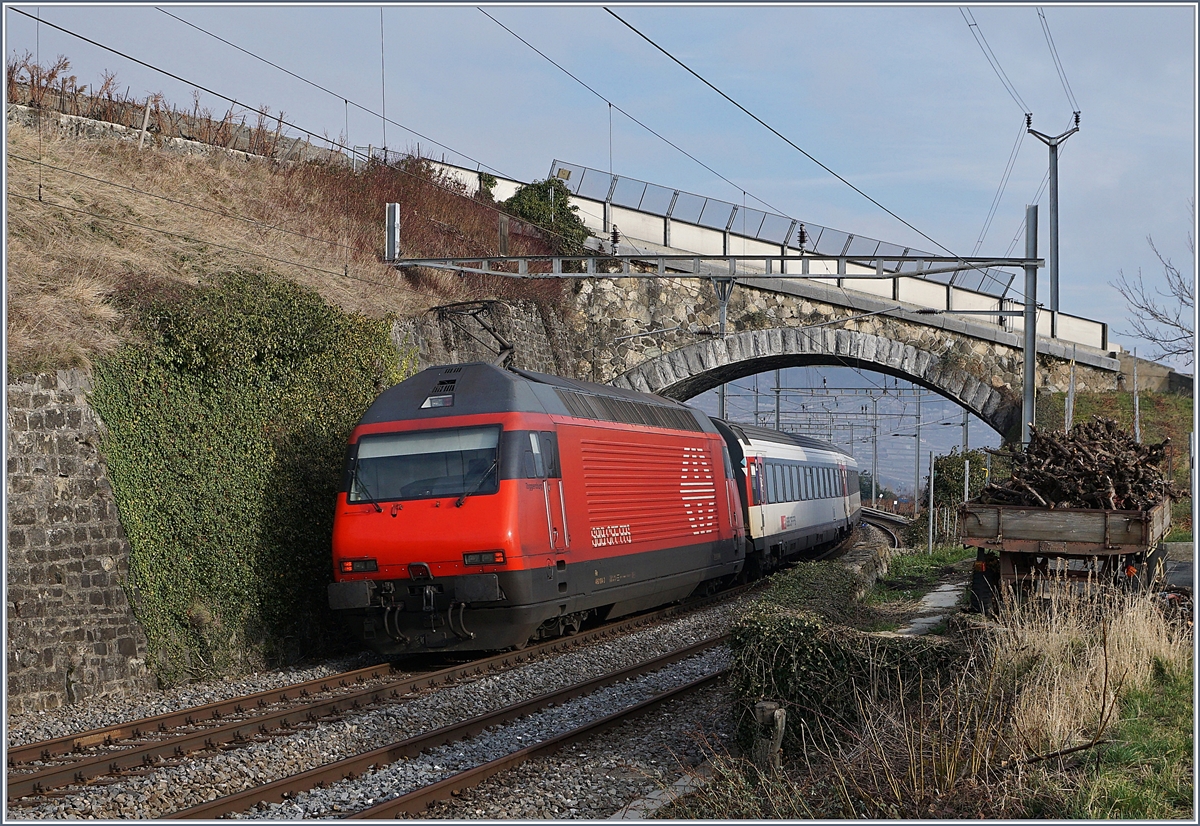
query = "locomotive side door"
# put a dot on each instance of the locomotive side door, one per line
(553, 493)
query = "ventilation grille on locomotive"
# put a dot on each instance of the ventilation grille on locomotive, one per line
(610, 409)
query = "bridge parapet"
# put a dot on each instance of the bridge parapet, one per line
(660, 220)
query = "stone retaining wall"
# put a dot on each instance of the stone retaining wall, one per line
(71, 633)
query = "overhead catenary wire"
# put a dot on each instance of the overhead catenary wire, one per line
(235, 102)
(1041, 190)
(612, 105)
(780, 135)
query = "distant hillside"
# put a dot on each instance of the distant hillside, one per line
(95, 226)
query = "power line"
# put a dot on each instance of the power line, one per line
(1012, 160)
(992, 59)
(342, 98)
(775, 131)
(626, 114)
(282, 122)
(1062, 75)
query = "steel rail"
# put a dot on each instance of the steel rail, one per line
(416, 802)
(884, 526)
(23, 784)
(195, 715)
(354, 766)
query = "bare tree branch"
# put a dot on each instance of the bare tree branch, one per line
(1164, 318)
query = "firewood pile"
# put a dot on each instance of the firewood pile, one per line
(1097, 465)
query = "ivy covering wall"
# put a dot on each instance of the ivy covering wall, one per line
(226, 427)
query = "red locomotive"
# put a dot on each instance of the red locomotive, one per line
(482, 507)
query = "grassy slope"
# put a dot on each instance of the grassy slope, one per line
(77, 255)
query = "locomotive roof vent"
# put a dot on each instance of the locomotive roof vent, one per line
(612, 409)
(451, 370)
(445, 386)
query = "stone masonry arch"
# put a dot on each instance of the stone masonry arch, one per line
(693, 369)
(656, 335)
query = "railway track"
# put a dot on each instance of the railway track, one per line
(416, 800)
(36, 769)
(889, 523)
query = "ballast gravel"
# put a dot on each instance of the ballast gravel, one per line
(97, 713)
(206, 777)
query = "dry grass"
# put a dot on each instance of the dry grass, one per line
(1074, 655)
(81, 250)
(1008, 734)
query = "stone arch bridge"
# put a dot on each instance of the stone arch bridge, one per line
(657, 336)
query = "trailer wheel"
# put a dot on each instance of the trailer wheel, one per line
(985, 583)
(1145, 571)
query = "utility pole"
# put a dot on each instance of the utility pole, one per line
(756, 421)
(778, 382)
(1137, 418)
(966, 417)
(1030, 338)
(874, 450)
(917, 473)
(1053, 143)
(930, 501)
(1070, 411)
(724, 289)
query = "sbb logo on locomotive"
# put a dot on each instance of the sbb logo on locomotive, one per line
(611, 535)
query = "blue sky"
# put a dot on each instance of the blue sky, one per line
(900, 100)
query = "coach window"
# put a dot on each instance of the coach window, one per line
(824, 483)
(795, 483)
(770, 473)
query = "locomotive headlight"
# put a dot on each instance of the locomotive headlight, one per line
(358, 566)
(485, 558)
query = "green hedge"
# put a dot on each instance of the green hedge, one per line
(800, 644)
(225, 431)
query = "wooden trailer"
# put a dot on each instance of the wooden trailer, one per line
(1019, 546)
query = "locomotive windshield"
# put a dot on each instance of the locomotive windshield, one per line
(427, 463)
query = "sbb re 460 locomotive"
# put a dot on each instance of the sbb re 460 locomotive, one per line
(483, 507)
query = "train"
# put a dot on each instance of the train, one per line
(482, 508)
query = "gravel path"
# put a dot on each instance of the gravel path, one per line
(200, 778)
